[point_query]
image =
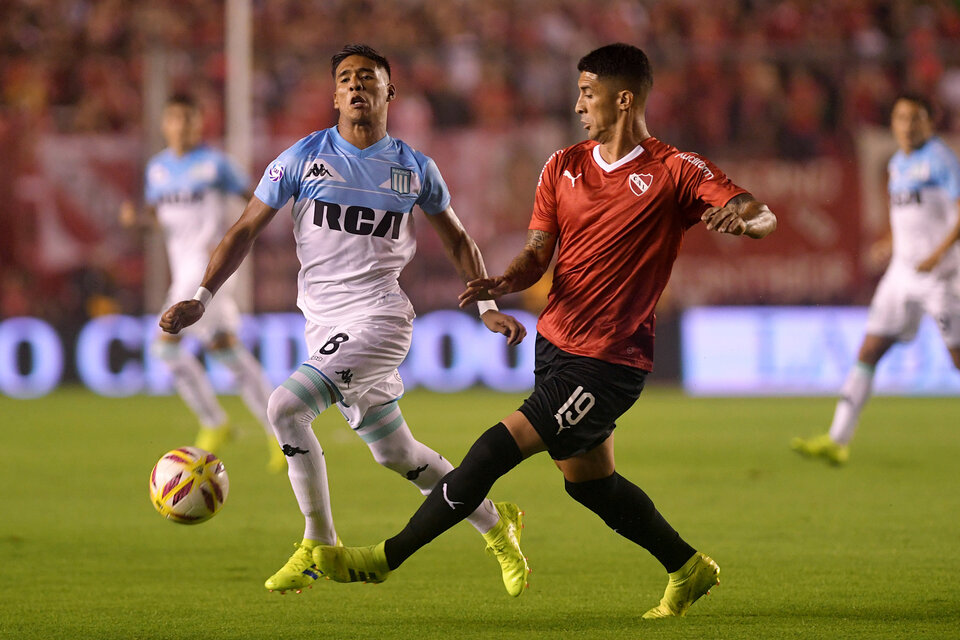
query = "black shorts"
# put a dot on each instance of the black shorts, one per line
(576, 399)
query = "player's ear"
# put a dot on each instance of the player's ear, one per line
(391, 92)
(625, 99)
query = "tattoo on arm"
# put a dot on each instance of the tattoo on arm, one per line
(536, 239)
(530, 265)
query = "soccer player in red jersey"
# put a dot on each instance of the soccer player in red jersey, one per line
(614, 209)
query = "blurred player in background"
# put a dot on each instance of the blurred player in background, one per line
(186, 189)
(614, 208)
(924, 271)
(354, 189)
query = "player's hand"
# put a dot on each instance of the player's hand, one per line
(484, 289)
(128, 214)
(878, 255)
(183, 314)
(724, 220)
(507, 325)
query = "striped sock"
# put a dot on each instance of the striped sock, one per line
(291, 410)
(393, 446)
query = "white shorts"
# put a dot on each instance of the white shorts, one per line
(360, 359)
(221, 316)
(903, 296)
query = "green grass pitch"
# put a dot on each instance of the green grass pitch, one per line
(805, 550)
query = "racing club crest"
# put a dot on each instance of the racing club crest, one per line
(400, 180)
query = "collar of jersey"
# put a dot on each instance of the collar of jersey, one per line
(603, 164)
(346, 147)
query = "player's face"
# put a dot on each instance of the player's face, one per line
(910, 124)
(181, 126)
(598, 106)
(362, 90)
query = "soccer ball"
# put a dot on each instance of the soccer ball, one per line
(188, 485)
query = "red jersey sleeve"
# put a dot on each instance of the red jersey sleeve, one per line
(700, 185)
(545, 201)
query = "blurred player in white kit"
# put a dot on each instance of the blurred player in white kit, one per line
(924, 271)
(186, 190)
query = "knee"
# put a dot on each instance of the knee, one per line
(284, 407)
(494, 452)
(588, 492)
(389, 455)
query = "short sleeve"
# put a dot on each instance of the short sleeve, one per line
(700, 185)
(281, 178)
(948, 173)
(229, 177)
(544, 216)
(434, 194)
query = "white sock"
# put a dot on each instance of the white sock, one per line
(254, 388)
(393, 445)
(853, 396)
(192, 383)
(291, 409)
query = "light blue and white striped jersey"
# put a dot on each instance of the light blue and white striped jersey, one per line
(924, 189)
(353, 220)
(189, 192)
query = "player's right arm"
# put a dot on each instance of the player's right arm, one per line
(524, 271)
(226, 259)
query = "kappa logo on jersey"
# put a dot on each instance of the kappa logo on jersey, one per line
(573, 178)
(204, 171)
(320, 171)
(275, 173)
(919, 171)
(400, 180)
(159, 174)
(360, 221)
(640, 182)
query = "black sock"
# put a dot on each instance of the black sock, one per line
(626, 509)
(457, 494)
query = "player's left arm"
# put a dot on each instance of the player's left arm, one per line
(742, 215)
(468, 261)
(934, 259)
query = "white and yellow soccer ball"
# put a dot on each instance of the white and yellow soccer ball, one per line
(188, 485)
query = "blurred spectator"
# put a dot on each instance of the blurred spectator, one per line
(785, 78)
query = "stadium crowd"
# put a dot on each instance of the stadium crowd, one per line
(789, 78)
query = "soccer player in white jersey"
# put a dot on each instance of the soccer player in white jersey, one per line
(186, 186)
(924, 271)
(354, 189)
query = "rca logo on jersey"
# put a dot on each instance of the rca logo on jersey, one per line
(359, 221)
(640, 182)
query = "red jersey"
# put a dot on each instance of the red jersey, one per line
(619, 227)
